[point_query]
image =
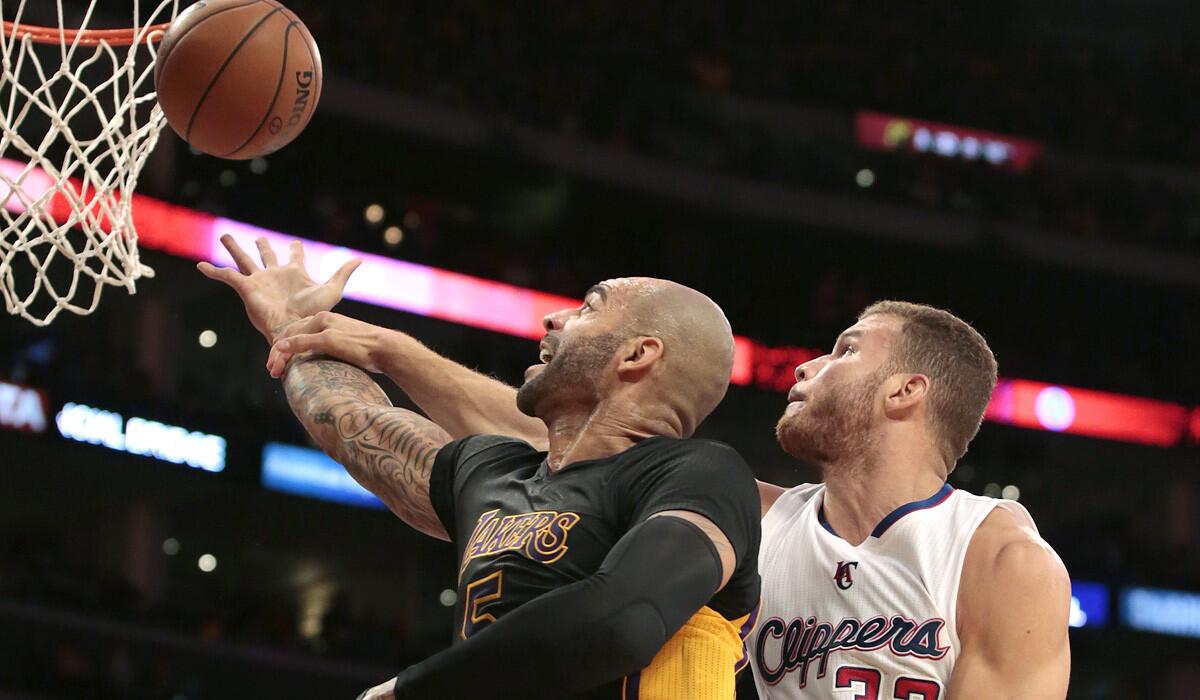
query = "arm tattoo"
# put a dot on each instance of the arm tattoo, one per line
(390, 451)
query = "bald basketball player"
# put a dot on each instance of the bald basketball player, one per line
(883, 581)
(621, 562)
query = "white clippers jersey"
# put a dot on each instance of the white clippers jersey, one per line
(872, 622)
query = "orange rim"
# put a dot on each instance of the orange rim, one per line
(87, 37)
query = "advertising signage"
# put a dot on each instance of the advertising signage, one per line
(1089, 604)
(1162, 611)
(889, 132)
(139, 436)
(22, 408)
(306, 472)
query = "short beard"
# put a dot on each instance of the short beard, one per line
(574, 376)
(833, 428)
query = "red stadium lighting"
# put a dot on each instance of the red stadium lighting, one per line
(1087, 412)
(517, 311)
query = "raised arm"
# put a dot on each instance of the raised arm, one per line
(390, 451)
(459, 399)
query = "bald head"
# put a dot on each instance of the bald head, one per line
(656, 351)
(698, 342)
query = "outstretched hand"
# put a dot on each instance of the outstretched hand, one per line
(276, 295)
(354, 342)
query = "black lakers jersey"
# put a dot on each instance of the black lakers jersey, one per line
(521, 531)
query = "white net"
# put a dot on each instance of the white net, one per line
(78, 118)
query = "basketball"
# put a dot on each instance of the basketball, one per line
(238, 79)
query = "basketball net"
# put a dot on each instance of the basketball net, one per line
(87, 104)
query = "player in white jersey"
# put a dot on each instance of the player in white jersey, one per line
(881, 583)
(884, 581)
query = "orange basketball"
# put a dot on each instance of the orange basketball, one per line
(238, 78)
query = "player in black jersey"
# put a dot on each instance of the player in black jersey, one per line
(620, 563)
(1021, 646)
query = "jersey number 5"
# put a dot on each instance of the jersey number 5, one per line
(480, 592)
(870, 678)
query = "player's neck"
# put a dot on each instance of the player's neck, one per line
(601, 431)
(864, 489)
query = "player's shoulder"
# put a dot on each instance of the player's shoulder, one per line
(487, 448)
(1007, 551)
(479, 443)
(696, 457)
(1011, 574)
(666, 444)
(668, 467)
(778, 498)
(804, 492)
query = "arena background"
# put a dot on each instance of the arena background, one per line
(1031, 166)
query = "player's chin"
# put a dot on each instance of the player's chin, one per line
(792, 435)
(533, 371)
(530, 393)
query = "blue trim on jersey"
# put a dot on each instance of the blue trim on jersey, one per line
(825, 523)
(891, 518)
(941, 495)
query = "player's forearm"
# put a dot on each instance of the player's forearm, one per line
(321, 390)
(389, 451)
(587, 634)
(462, 401)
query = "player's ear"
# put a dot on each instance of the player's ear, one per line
(638, 357)
(906, 392)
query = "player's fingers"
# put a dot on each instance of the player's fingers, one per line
(281, 363)
(304, 342)
(296, 257)
(220, 274)
(342, 276)
(266, 252)
(277, 362)
(311, 324)
(240, 257)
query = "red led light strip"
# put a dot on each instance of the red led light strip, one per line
(517, 311)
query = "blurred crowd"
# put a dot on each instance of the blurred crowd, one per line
(87, 633)
(618, 72)
(585, 62)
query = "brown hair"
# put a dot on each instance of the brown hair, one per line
(960, 366)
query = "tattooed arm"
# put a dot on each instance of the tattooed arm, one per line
(459, 399)
(390, 451)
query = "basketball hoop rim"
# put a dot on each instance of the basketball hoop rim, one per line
(86, 37)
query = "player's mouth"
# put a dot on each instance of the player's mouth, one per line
(795, 395)
(545, 355)
(547, 348)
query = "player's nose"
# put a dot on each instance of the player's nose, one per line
(555, 321)
(810, 368)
